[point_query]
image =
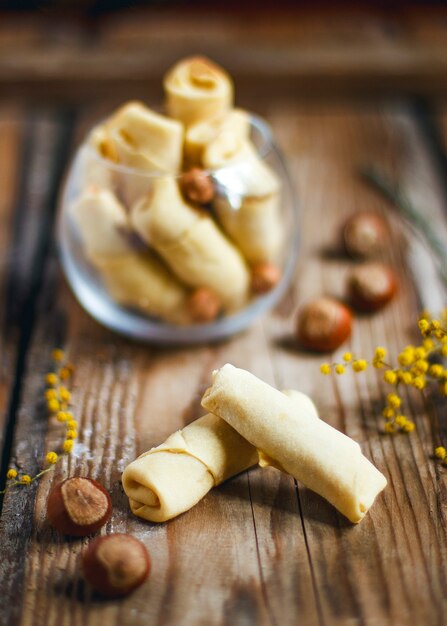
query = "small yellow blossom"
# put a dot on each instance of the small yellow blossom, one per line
(444, 350)
(51, 394)
(440, 452)
(53, 406)
(51, 379)
(71, 434)
(64, 373)
(428, 344)
(390, 377)
(439, 334)
(325, 369)
(420, 352)
(58, 355)
(401, 420)
(11, 473)
(25, 479)
(389, 427)
(394, 400)
(340, 369)
(435, 325)
(72, 424)
(406, 357)
(408, 427)
(51, 458)
(388, 412)
(64, 394)
(380, 353)
(419, 382)
(347, 357)
(436, 370)
(377, 363)
(360, 365)
(67, 446)
(61, 416)
(424, 326)
(421, 366)
(404, 377)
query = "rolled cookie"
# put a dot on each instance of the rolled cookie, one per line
(198, 136)
(247, 200)
(191, 243)
(322, 458)
(171, 478)
(197, 89)
(146, 140)
(135, 279)
(94, 159)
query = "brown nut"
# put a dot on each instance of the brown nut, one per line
(364, 234)
(78, 506)
(264, 276)
(371, 286)
(116, 564)
(203, 305)
(197, 186)
(323, 325)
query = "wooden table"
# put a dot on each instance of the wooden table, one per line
(260, 549)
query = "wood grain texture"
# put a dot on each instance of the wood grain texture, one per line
(294, 52)
(10, 158)
(259, 549)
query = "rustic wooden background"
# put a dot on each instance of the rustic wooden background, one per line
(340, 90)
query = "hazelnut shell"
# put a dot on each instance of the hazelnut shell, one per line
(371, 286)
(323, 325)
(197, 186)
(78, 506)
(364, 234)
(264, 276)
(203, 305)
(116, 564)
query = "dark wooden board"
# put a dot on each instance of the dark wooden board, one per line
(259, 549)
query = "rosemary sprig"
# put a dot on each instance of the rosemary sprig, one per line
(413, 216)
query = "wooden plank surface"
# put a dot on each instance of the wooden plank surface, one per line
(259, 549)
(294, 52)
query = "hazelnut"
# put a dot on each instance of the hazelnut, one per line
(116, 564)
(264, 276)
(78, 506)
(371, 286)
(203, 305)
(323, 325)
(197, 186)
(364, 234)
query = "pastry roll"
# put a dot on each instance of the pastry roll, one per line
(173, 477)
(248, 197)
(146, 140)
(95, 159)
(197, 89)
(191, 243)
(147, 144)
(198, 136)
(322, 458)
(132, 278)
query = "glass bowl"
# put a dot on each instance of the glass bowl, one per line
(87, 284)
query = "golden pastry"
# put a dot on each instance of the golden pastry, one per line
(197, 89)
(247, 201)
(173, 477)
(199, 135)
(191, 243)
(135, 279)
(322, 458)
